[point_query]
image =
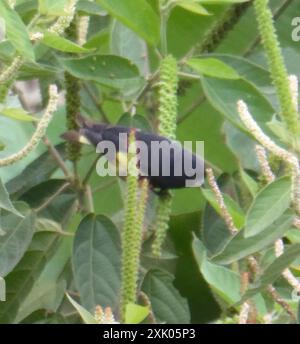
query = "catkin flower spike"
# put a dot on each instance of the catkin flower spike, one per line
(39, 132)
(220, 200)
(264, 164)
(104, 316)
(132, 229)
(73, 101)
(245, 308)
(64, 21)
(168, 86)
(287, 274)
(270, 145)
(9, 72)
(277, 66)
(244, 313)
(82, 28)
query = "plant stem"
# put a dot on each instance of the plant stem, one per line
(52, 198)
(56, 156)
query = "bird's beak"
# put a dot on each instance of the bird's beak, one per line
(74, 136)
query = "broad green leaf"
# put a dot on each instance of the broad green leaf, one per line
(224, 282)
(137, 15)
(193, 6)
(99, 41)
(5, 202)
(108, 70)
(250, 71)
(18, 114)
(269, 204)
(57, 42)
(20, 281)
(213, 67)
(16, 31)
(44, 295)
(86, 316)
(235, 211)
(124, 42)
(274, 270)
(167, 304)
(135, 121)
(215, 233)
(224, 95)
(135, 314)
(13, 244)
(35, 173)
(90, 8)
(240, 247)
(49, 289)
(52, 8)
(250, 183)
(96, 262)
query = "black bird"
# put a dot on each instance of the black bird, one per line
(177, 167)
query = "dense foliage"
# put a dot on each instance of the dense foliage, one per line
(76, 247)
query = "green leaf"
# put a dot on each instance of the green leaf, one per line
(135, 314)
(16, 31)
(274, 270)
(88, 7)
(215, 233)
(135, 121)
(242, 146)
(167, 304)
(18, 114)
(124, 42)
(138, 15)
(269, 204)
(57, 42)
(240, 247)
(35, 173)
(193, 6)
(224, 282)
(52, 8)
(213, 67)
(96, 262)
(44, 295)
(49, 289)
(18, 235)
(5, 202)
(20, 281)
(234, 210)
(250, 183)
(86, 316)
(108, 70)
(224, 95)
